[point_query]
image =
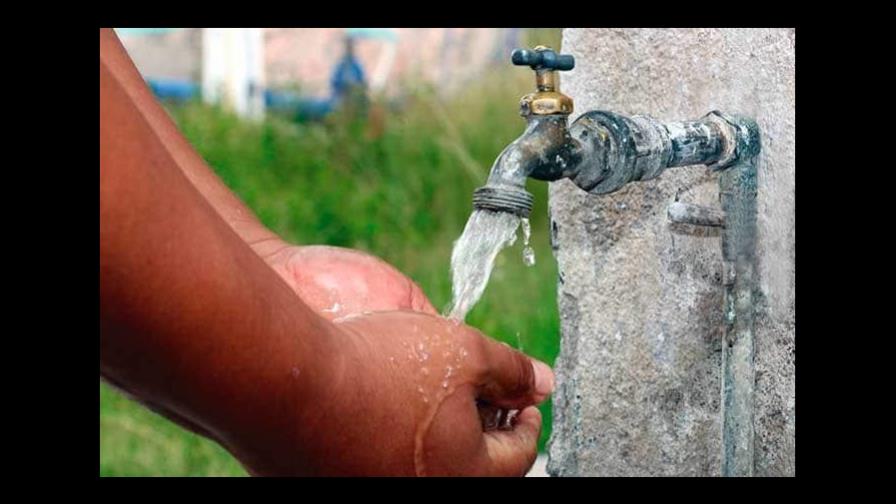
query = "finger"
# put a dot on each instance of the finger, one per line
(418, 300)
(512, 380)
(513, 452)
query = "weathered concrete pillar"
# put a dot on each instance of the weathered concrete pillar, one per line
(640, 299)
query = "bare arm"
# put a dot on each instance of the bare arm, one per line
(184, 156)
(192, 320)
(365, 283)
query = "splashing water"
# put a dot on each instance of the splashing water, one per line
(474, 253)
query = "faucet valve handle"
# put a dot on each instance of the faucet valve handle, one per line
(543, 58)
(547, 98)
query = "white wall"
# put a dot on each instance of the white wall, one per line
(232, 60)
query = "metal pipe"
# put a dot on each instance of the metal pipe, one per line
(738, 188)
(620, 149)
(695, 215)
(694, 142)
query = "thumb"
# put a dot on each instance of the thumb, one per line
(419, 301)
(513, 380)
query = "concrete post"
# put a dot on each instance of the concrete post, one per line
(640, 297)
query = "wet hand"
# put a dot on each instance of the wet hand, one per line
(403, 397)
(337, 282)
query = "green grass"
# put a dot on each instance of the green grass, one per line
(403, 195)
(136, 442)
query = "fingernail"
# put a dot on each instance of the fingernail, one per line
(544, 378)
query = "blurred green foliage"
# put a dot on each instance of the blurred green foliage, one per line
(399, 186)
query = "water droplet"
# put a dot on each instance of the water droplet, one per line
(528, 253)
(445, 384)
(528, 256)
(559, 160)
(511, 415)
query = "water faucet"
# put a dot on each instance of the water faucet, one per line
(601, 152)
(545, 151)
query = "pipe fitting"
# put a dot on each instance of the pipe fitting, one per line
(503, 198)
(740, 137)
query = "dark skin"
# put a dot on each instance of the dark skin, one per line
(298, 360)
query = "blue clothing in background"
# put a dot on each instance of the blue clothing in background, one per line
(348, 74)
(173, 89)
(346, 77)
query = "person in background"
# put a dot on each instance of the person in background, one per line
(347, 82)
(298, 360)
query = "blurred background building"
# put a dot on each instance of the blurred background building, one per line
(305, 69)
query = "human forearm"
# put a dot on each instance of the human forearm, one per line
(240, 217)
(192, 321)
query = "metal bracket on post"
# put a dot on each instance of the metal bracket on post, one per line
(695, 215)
(737, 217)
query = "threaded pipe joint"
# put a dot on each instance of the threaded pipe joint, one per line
(503, 199)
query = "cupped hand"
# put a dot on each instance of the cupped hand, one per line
(337, 282)
(411, 393)
(402, 400)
